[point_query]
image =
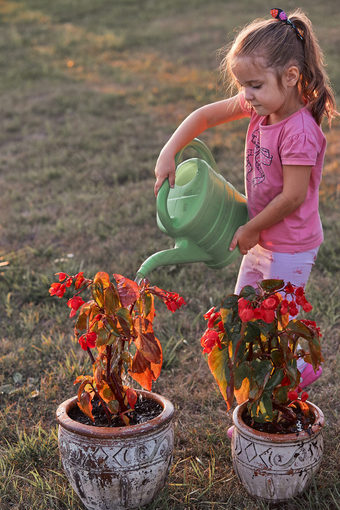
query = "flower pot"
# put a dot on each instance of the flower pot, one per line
(114, 468)
(276, 467)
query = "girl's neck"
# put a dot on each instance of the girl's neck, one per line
(292, 104)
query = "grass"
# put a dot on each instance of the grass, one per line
(90, 91)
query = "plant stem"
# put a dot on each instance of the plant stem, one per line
(116, 390)
(108, 360)
(107, 412)
(91, 355)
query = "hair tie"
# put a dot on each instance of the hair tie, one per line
(282, 16)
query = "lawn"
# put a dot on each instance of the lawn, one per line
(89, 93)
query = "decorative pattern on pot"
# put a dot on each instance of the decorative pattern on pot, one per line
(117, 468)
(276, 467)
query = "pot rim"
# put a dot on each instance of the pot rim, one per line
(280, 438)
(76, 427)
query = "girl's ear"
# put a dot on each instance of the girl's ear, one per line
(292, 76)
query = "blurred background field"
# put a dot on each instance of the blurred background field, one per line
(89, 93)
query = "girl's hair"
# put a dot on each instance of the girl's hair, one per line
(279, 44)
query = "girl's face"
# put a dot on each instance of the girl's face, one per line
(261, 88)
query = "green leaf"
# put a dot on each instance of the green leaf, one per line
(125, 320)
(266, 407)
(98, 293)
(261, 371)
(277, 357)
(274, 380)
(248, 292)
(111, 299)
(113, 406)
(147, 300)
(272, 285)
(281, 394)
(103, 337)
(241, 372)
(230, 302)
(252, 332)
(297, 327)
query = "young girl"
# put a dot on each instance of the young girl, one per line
(278, 68)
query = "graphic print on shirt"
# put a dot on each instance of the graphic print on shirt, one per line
(260, 156)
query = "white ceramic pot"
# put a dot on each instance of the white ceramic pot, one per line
(276, 467)
(117, 468)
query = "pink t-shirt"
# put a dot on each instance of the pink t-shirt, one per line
(296, 140)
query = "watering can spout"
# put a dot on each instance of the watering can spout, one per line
(184, 251)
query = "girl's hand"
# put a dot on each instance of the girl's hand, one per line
(246, 238)
(165, 169)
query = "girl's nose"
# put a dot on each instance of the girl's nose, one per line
(248, 94)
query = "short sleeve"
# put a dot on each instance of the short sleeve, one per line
(299, 149)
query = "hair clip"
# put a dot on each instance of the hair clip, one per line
(282, 16)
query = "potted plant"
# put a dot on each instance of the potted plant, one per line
(252, 346)
(116, 442)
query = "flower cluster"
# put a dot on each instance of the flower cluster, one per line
(289, 299)
(253, 342)
(58, 289)
(116, 320)
(173, 301)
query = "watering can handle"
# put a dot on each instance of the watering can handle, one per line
(162, 196)
(202, 150)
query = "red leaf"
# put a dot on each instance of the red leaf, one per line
(131, 397)
(85, 405)
(146, 342)
(128, 290)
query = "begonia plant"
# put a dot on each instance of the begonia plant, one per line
(115, 326)
(253, 342)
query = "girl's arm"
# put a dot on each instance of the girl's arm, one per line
(295, 187)
(198, 121)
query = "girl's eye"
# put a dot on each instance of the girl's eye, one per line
(257, 86)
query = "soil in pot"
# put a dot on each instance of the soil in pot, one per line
(145, 410)
(303, 423)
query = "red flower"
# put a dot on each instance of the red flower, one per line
(212, 319)
(61, 276)
(270, 303)
(292, 395)
(173, 301)
(208, 314)
(57, 289)
(74, 303)
(300, 292)
(209, 340)
(284, 307)
(268, 316)
(285, 381)
(245, 310)
(79, 280)
(307, 307)
(88, 340)
(293, 310)
(304, 396)
(265, 315)
(220, 326)
(289, 288)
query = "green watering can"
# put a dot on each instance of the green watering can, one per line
(201, 212)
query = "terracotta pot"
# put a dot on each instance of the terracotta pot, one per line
(114, 468)
(276, 467)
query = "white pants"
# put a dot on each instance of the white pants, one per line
(261, 264)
